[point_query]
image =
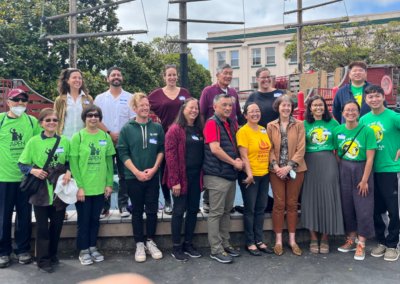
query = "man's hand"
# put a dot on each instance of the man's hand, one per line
(397, 155)
(176, 190)
(149, 173)
(107, 191)
(238, 165)
(114, 137)
(141, 176)
(39, 173)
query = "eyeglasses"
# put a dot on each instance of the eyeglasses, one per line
(265, 78)
(144, 105)
(90, 115)
(254, 112)
(351, 110)
(316, 106)
(49, 120)
(15, 99)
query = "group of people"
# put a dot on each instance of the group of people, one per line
(345, 175)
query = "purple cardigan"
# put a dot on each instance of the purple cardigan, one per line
(175, 167)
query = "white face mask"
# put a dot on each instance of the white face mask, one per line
(18, 111)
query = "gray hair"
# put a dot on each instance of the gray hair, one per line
(220, 96)
(222, 67)
(260, 70)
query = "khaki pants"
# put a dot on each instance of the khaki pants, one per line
(222, 195)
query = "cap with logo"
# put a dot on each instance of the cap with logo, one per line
(17, 92)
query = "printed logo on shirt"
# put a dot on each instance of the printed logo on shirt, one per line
(94, 161)
(17, 145)
(94, 152)
(319, 136)
(378, 129)
(263, 154)
(354, 150)
(54, 160)
(153, 141)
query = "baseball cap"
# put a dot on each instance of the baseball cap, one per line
(16, 92)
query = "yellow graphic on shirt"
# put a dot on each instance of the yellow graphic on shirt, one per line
(352, 153)
(263, 154)
(378, 133)
(318, 137)
(358, 99)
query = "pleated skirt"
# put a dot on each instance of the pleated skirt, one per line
(321, 208)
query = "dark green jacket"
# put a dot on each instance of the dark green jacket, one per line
(141, 144)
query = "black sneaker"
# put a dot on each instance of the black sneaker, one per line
(231, 251)
(222, 257)
(178, 253)
(206, 208)
(54, 261)
(47, 269)
(190, 250)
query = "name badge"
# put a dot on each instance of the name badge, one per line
(341, 136)
(153, 141)
(195, 137)
(103, 142)
(60, 150)
(326, 132)
(277, 95)
(182, 98)
(123, 102)
(263, 131)
(86, 102)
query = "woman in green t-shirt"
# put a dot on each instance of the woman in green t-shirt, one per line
(355, 149)
(92, 168)
(321, 208)
(32, 160)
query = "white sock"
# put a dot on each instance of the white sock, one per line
(92, 248)
(360, 242)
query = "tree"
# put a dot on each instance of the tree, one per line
(160, 45)
(199, 77)
(328, 47)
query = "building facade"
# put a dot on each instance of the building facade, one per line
(264, 47)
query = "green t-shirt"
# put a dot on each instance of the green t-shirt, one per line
(358, 150)
(92, 151)
(14, 135)
(386, 127)
(319, 135)
(36, 153)
(358, 93)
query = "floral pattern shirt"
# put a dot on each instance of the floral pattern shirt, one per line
(284, 151)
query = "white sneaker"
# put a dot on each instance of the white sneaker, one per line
(125, 212)
(153, 250)
(140, 254)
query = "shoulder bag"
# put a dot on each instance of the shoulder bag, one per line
(344, 153)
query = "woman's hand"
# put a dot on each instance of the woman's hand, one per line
(67, 177)
(107, 191)
(363, 186)
(39, 173)
(176, 190)
(249, 180)
(282, 173)
(80, 196)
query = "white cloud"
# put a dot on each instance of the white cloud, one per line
(257, 13)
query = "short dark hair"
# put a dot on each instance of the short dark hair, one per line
(361, 64)
(281, 99)
(310, 118)
(91, 108)
(351, 102)
(246, 106)
(374, 89)
(112, 69)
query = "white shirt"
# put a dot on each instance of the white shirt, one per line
(73, 122)
(116, 112)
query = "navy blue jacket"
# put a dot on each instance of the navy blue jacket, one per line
(345, 94)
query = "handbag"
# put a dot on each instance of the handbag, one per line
(30, 183)
(348, 148)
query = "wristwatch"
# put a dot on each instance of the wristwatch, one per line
(108, 132)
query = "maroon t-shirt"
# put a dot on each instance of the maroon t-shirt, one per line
(165, 108)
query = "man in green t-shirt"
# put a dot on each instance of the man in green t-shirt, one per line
(16, 128)
(386, 125)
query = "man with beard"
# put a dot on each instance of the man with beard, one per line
(116, 113)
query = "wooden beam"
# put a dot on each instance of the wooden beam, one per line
(203, 41)
(68, 36)
(205, 21)
(316, 23)
(311, 7)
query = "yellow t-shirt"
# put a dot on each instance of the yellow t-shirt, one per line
(258, 145)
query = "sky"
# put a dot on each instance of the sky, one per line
(256, 13)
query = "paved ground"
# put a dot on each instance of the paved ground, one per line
(335, 267)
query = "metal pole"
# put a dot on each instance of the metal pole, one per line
(183, 52)
(299, 37)
(72, 30)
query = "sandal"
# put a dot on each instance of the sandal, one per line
(295, 249)
(325, 245)
(314, 248)
(278, 249)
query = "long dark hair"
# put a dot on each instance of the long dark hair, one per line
(62, 85)
(182, 122)
(310, 118)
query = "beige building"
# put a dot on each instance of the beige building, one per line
(264, 46)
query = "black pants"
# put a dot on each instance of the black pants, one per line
(164, 187)
(144, 194)
(123, 197)
(387, 200)
(255, 200)
(47, 238)
(10, 196)
(88, 221)
(191, 201)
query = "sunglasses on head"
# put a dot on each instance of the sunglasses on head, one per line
(49, 120)
(15, 99)
(90, 115)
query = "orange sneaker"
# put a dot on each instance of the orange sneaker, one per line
(350, 245)
(360, 252)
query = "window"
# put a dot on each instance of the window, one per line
(221, 58)
(293, 58)
(270, 52)
(235, 83)
(253, 79)
(235, 58)
(256, 56)
(307, 58)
